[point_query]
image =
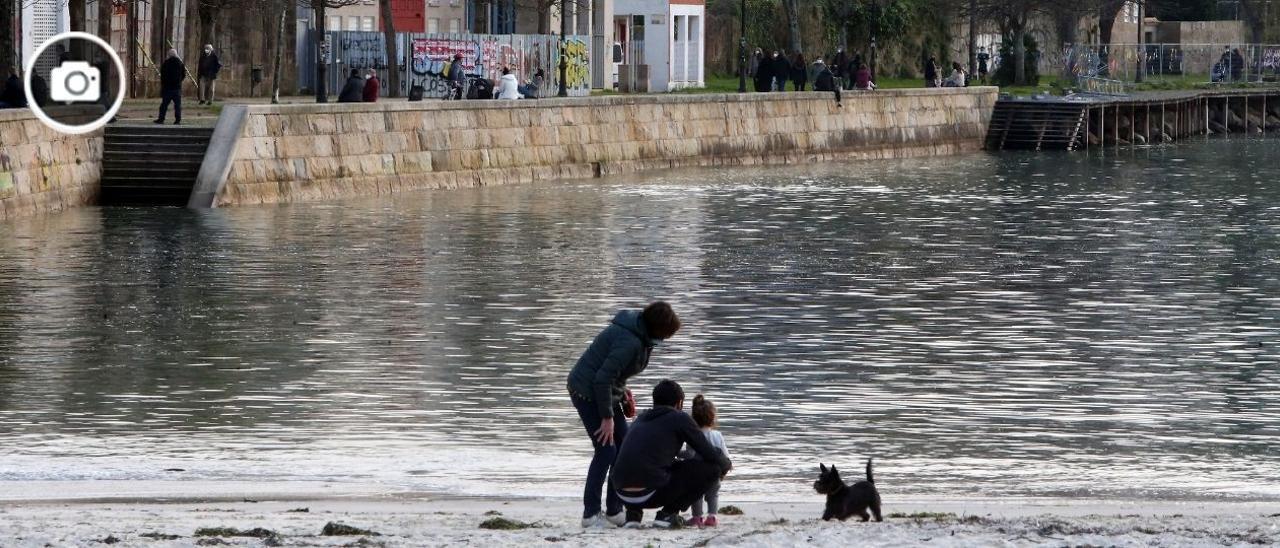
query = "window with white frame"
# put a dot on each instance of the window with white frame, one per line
(366, 24)
(335, 22)
(455, 26)
(433, 25)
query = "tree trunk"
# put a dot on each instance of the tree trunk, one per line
(104, 20)
(76, 23)
(131, 46)
(283, 6)
(1253, 19)
(393, 60)
(1020, 53)
(322, 71)
(8, 40)
(973, 37)
(1107, 13)
(793, 25)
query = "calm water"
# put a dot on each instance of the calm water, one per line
(1091, 326)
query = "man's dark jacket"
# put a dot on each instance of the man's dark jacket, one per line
(172, 72)
(618, 353)
(652, 444)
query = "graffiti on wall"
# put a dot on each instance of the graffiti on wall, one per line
(425, 59)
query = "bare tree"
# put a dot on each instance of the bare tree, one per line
(8, 41)
(792, 9)
(319, 8)
(393, 59)
(283, 7)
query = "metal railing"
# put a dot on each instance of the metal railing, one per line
(1174, 63)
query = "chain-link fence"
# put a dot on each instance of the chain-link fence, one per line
(1172, 63)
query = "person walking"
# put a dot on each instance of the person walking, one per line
(208, 73)
(799, 72)
(764, 75)
(371, 86)
(931, 73)
(756, 58)
(13, 95)
(781, 69)
(597, 388)
(353, 90)
(172, 72)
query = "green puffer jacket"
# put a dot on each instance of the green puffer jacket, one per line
(618, 353)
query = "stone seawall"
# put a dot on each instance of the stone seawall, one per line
(287, 153)
(43, 171)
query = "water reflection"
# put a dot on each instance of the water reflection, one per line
(1044, 325)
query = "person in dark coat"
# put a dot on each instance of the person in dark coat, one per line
(931, 73)
(1237, 65)
(353, 90)
(862, 79)
(647, 473)
(598, 389)
(371, 87)
(208, 73)
(839, 64)
(799, 72)
(764, 75)
(851, 71)
(13, 96)
(172, 72)
(781, 69)
(457, 76)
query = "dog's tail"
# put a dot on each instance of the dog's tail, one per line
(870, 478)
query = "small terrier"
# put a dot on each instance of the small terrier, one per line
(844, 501)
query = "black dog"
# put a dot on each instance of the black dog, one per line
(843, 500)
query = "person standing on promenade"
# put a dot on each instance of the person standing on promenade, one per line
(208, 71)
(983, 59)
(764, 75)
(799, 72)
(353, 90)
(756, 58)
(598, 389)
(371, 87)
(457, 76)
(172, 72)
(931, 73)
(781, 69)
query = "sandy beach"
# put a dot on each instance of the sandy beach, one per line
(35, 515)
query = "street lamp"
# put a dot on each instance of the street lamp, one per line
(875, 27)
(742, 51)
(564, 59)
(1142, 47)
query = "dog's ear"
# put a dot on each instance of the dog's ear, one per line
(834, 471)
(822, 467)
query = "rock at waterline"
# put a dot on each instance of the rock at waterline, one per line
(334, 529)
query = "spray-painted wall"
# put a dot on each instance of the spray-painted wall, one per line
(423, 58)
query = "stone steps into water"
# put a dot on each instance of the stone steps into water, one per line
(152, 164)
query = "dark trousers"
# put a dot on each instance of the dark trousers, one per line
(174, 96)
(603, 459)
(690, 481)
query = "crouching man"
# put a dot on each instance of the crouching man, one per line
(647, 473)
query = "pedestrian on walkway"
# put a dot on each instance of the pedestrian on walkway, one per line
(353, 90)
(371, 87)
(764, 75)
(931, 78)
(799, 72)
(508, 85)
(12, 95)
(781, 69)
(457, 76)
(208, 73)
(172, 72)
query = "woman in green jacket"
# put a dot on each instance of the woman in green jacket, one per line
(598, 387)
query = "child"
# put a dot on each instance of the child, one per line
(704, 413)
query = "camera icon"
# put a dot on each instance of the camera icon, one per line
(74, 82)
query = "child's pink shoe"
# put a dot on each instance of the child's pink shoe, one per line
(710, 521)
(695, 521)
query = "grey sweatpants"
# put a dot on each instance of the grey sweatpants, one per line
(713, 500)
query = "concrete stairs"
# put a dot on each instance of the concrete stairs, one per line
(151, 164)
(1036, 125)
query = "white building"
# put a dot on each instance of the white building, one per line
(664, 38)
(42, 20)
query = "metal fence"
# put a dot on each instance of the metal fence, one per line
(1189, 63)
(423, 59)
